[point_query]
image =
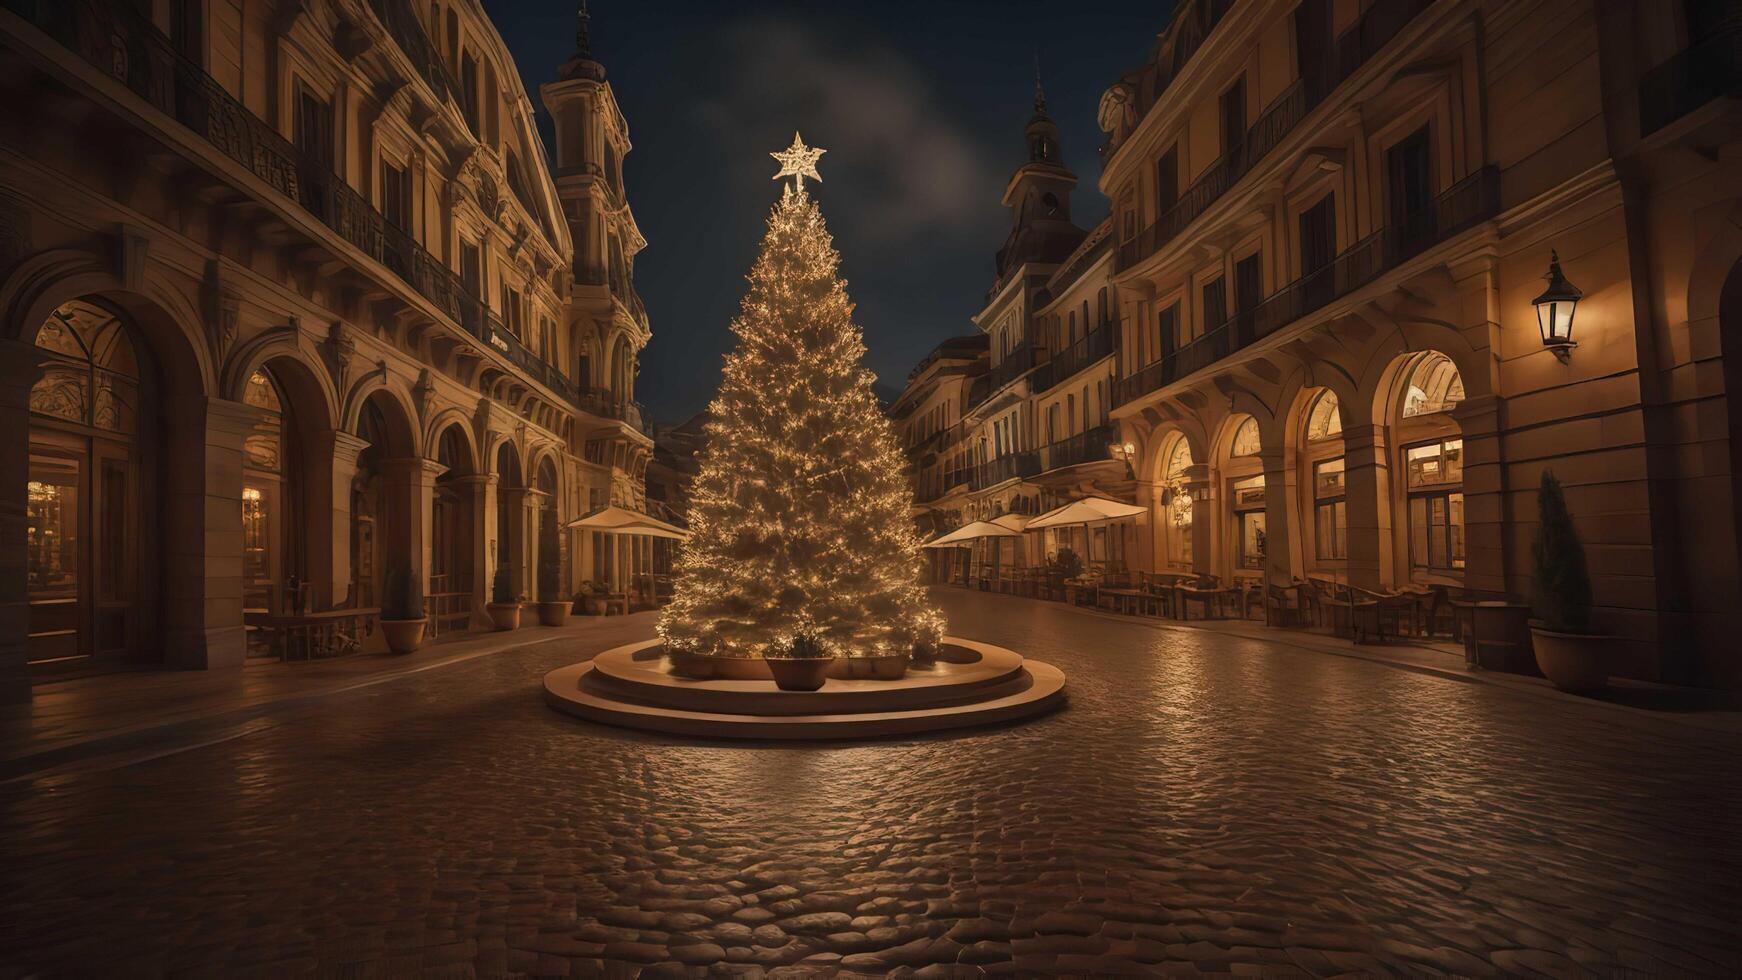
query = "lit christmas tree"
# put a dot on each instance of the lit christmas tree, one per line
(799, 515)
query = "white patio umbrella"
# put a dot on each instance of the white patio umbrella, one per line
(961, 536)
(1086, 511)
(622, 520)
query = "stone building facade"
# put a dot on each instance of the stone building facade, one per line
(289, 296)
(1332, 220)
(1015, 419)
(1329, 222)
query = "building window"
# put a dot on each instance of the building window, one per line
(1325, 419)
(1167, 324)
(469, 90)
(1409, 172)
(1248, 497)
(396, 195)
(1246, 438)
(1167, 181)
(1318, 235)
(1434, 386)
(1330, 510)
(1178, 500)
(1435, 474)
(1215, 304)
(1234, 118)
(313, 129)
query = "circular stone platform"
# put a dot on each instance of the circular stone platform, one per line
(633, 686)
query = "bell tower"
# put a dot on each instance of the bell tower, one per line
(1039, 194)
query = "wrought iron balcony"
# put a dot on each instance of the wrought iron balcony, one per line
(608, 404)
(1093, 346)
(407, 32)
(1010, 466)
(1708, 69)
(1090, 446)
(1013, 365)
(117, 40)
(1354, 47)
(1474, 199)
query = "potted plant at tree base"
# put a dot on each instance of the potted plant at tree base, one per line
(504, 605)
(402, 615)
(800, 665)
(553, 610)
(1567, 652)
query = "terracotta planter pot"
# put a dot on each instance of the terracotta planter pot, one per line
(800, 675)
(504, 615)
(1574, 662)
(404, 635)
(553, 613)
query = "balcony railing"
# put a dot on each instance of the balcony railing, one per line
(1007, 467)
(118, 41)
(1014, 365)
(1354, 47)
(1471, 200)
(1094, 345)
(1708, 69)
(407, 32)
(1090, 446)
(607, 404)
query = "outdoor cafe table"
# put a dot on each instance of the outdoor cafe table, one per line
(312, 635)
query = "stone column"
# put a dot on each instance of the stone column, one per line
(1279, 531)
(408, 498)
(1487, 564)
(1367, 489)
(512, 547)
(479, 491)
(1204, 504)
(1148, 559)
(332, 466)
(18, 372)
(202, 533)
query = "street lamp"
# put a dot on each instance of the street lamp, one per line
(1127, 452)
(1554, 309)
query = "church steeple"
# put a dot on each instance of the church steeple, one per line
(582, 64)
(1043, 133)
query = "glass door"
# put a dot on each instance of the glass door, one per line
(113, 554)
(54, 557)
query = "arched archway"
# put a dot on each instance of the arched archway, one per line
(455, 516)
(116, 447)
(1176, 517)
(1242, 539)
(383, 525)
(1316, 431)
(511, 519)
(1427, 454)
(550, 558)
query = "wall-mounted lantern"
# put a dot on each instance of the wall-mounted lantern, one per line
(1127, 452)
(1554, 309)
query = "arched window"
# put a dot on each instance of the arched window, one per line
(1434, 386)
(1325, 420)
(1179, 503)
(93, 379)
(1246, 441)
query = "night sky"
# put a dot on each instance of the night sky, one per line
(921, 106)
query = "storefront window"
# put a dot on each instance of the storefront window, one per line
(1325, 420)
(1179, 504)
(1330, 510)
(1246, 438)
(1436, 505)
(1249, 513)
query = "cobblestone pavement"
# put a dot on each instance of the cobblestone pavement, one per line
(1205, 803)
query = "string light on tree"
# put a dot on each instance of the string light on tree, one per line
(799, 514)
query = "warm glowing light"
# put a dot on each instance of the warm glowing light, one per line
(799, 518)
(798, 161)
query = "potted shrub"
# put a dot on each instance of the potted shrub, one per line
(800, 665)
(591, 596)
(504, 605)
(402, 615)
(553, 609)
(1062, 572)
(1567, 652)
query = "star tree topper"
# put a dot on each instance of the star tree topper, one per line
(798, 161)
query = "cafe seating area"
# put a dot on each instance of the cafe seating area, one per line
(1417, 613)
